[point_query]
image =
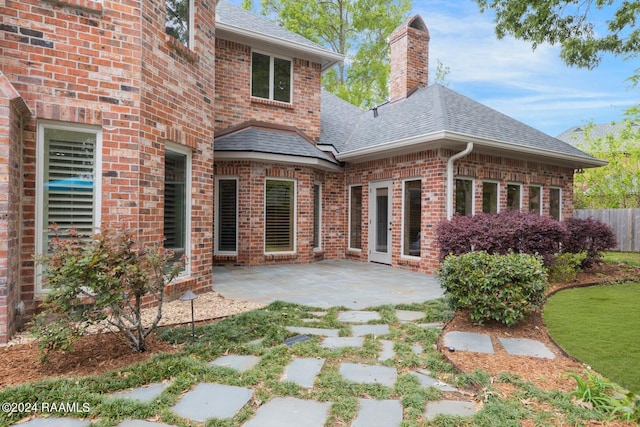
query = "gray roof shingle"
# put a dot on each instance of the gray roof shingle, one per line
(435, 109)
(228, 13)
(272, 141)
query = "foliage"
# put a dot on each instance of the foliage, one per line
(101, 280)
(572, 24)
(501, 233)
(356, 28)
(566, 266)
(605, 396)
(616, 185)
(505, 288)
(589, 236)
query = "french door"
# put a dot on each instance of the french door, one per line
(380, 222)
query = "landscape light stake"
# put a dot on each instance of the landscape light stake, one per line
(190, 296)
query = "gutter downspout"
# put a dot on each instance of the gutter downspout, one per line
(450, 177)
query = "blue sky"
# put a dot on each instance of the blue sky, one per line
(535, 87)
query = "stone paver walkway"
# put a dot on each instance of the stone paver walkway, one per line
(212, 400)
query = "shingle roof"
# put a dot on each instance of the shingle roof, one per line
(575, 135)
(272, 141)
(228, 13)
(437, 109)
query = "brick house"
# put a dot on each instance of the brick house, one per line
(109, 111)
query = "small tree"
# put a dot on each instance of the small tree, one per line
(101, 280)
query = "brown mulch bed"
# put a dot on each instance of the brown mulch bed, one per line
(544, 373)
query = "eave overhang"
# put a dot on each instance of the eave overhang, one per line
(259, 156)
(325, 57)
(457, 141)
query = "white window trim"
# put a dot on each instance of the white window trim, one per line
(217, 213)
(404, 183)
(192, 24)
(540, 189)
(349, 218)
(40, 162)
(181, 149)
(295, 217)
(319, 247)
(473, 193)
(271, 57)
(560, 204)
(519, 184)
(497, 183)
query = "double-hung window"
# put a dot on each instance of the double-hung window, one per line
(68, 181)
(227, 216)
(355, 217)
(280, 215)
(514, 196)
(555, 203)
(490, 197)
(317, 216)
(270, 77)
(177, 203)
(464, 197)
(179, 20)
(411, 218)
(535, 199)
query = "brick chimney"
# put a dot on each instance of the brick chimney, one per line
(409, 59)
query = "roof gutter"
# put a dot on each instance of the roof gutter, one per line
(452, 159)
(331, 58)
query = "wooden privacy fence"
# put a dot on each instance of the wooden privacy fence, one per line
(625, 224)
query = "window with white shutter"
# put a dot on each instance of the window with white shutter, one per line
(68, 189)
(227, 215)
(279, 229)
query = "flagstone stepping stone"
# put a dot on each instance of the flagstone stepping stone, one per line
(362, 330)
(526, 347)
(210, 400)
(369, 374)
(427, 381)
(257, 341)
(144, 394)
(56, 422)
(341, 342)
(460, 408)
(290, 412)
(303, 371)
(303, 330)
(468, 341)
(311, 320)
(294, 340)
(406, 316)
(417, 349)
(318, 313)
(433, 325)
(387, 351)
(378, 413)
(234, 361)
(142, 423)
(357, 316)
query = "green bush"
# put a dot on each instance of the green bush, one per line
(566, 266)
(102, 279)
(505, 288)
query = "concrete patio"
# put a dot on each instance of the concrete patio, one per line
(325, 284)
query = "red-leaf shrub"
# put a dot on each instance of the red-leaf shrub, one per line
(590, 236)
(501, 233)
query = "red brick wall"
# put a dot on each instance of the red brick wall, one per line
(430, 168)
(234, 104)
(109, 64)
(251, 183)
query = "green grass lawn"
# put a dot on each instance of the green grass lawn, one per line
(629, 258)
(600, 326)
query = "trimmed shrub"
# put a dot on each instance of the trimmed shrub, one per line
(505, 288)
(501, 233)
(566, 266)
(590, 236)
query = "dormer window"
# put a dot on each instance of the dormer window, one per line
(270, 77)
(180, 20)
